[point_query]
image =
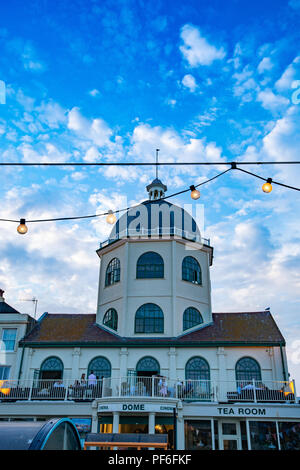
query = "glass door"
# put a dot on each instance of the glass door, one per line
(229, 435)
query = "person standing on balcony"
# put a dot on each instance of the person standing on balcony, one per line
(92, 379)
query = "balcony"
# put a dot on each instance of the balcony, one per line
(151, 387)
(154, 233)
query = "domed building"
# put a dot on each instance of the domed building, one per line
(155, 358)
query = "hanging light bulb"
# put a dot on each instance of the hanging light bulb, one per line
(111, 218)
(267, 187)
(195, 194)
(22, 228)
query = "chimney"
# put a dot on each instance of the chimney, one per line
(1, 295)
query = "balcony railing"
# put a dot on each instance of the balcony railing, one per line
(156, 232)
(153, 387)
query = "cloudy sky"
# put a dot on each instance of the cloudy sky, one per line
(112, 81)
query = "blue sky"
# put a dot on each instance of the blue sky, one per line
(112, 81)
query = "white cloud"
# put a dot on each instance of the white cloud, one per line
(265, 65)
(189, 82)
(94, 92)
(196, 49)
(286, 79)
(271, 101)
(95, 130)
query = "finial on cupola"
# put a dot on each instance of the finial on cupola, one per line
(156, 189)
(1, 295)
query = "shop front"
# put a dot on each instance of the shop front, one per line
(241, 428)
(138, 417)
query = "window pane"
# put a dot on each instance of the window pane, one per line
(263, 435)
(4, 372)
(111, 319)
(191, 270)
(247, 369)
(9, 338)
(112, 272)
(150, 265)
(289, 434)
(149, 318)
(198, 435)
(191, 317)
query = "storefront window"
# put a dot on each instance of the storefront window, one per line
(289, 434)
(263, 435)
(198, 435)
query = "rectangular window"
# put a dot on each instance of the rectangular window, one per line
(4, 372)
(289, 434)
(263, 435)
(198, 435)
(9, 338)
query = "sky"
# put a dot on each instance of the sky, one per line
(103, 81)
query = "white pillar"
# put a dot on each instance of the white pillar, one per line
(172, 364)
(222, 392)
(116, 416)
(151, 423)
(75, 363)
(123, 362)
(180, 430)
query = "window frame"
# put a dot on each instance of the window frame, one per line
(205, 371)
(185, 321)
(247, 373)
(194, 276)
(5, 341)
(92, 367)
(113, 272)
(143, 323)
(113, 319)
(156, 270)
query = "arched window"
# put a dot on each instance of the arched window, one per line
(191, 270)
(149, 318)
(247, 369)
(147, 365)
(111, 319)
(112, 272)
(150, 265)
(197, 368)
(100, 366)
(51, 368)
(191, 317)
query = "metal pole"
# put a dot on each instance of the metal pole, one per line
(175, 429)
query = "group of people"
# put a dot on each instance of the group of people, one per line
(92, 381)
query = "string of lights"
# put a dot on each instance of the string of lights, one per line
(195, 194)
(66, 164)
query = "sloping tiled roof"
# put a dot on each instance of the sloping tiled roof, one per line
(81, 329)
(5, 308)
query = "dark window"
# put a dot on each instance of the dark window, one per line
(191, 270)
(149, 318)
(150, 265)
(247, 369)
(112, 272)
(148, 364)
(191, 317)
(100, 366)
(197, 369)
(52, 368)
(111, 319)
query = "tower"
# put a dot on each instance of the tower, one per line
(154, 278)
